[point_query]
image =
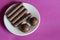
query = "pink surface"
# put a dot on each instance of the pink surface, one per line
(49, 28)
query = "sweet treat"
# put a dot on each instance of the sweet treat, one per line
(25, 28)
(22, 9)
(14, 10)
(33, 21)
(18, 15)
(22, 19)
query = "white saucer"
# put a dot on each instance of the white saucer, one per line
(15, 30)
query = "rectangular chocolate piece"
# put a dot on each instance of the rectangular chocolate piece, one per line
(11, 13)
(18, 15)
(11, 9)
(23, 18)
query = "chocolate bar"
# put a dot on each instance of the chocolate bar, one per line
(18, 15)
(14, 10)
(23, 18)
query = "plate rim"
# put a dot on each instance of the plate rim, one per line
(30, 32)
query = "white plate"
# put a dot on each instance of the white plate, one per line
(15, 30)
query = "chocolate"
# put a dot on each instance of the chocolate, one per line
(11, 9)
(17, 13)
(12, 12)
(19, 16)
(25, 28)
(33, 21)
(22, 19)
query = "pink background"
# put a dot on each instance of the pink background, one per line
(49, 29)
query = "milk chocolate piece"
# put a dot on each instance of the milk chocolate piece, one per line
(19, 16)
(25, 28)
(14, 10)
(23, 18)
(11, 9)
(17, 13)
(33, 21)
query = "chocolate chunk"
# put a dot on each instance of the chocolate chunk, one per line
(33, 21)
(25, 28)
(11, 13)
(23, 18)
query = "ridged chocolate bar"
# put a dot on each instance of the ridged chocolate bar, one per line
(18, 14)
(14, 10)
(22, 19)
